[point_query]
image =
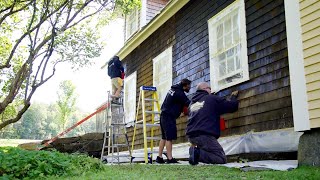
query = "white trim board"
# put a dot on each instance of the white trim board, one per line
(296, 67)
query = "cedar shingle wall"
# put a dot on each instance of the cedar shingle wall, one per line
(265, 100)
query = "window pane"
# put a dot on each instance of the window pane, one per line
(228, 40)
(219, 44)
(219, 31)
(222, 69)
(227, 25)
(230, 64)
(221, 57)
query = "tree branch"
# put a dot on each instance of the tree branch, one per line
(19, 115)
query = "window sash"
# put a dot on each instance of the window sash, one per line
(228, 47)
(131, 23)
(130, 88)
(162, 73)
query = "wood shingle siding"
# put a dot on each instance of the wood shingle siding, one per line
(265, 100)
(310, 25)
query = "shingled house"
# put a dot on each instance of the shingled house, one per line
(245, 45)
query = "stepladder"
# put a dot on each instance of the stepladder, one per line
(147, 119)
(115, 135)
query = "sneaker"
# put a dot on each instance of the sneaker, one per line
(172, 161)
(194, 155)
(160, 160)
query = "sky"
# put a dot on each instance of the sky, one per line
(92, 83)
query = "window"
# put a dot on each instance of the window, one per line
(130, 88)
(228, 47)
(131, 23)
(162, 73)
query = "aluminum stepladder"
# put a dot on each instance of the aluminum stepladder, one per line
(152, 102)
(115, 136)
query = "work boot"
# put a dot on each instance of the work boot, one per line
(160, 160)
(172, 161)
(194, 153)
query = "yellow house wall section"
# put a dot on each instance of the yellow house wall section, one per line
(310, 25)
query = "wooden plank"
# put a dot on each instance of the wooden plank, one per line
(256, 118)
(314, 95)
(310, 78)
(312, 42)
(267, 42)
(310, 26)
(261, 8)
(310, 17)
(313, 86)
(266, 34)
(261, 126)
(314, 104)
(314, 113)
(312, 59)
(315, 123)
(311, 51)
(310, 9)
(307, 3)
(260, 108)
(311, 34)
(267, 51)
(265, 97)
(313, 68)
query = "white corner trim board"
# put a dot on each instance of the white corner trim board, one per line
(296, 67)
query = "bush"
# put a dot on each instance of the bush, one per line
(19, 163)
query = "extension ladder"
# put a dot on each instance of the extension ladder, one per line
(115, 136)
(154, 101)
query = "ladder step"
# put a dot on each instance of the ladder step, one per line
(117, 145)
(152, 112)
(148, 125)
(116, 105)
(118, 124)
(150, 99)
(154, 138)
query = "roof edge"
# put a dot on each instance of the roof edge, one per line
(171, 9)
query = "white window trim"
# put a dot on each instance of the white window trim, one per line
(131, 77)
(137, 23)
(167, 52)
(243, 43)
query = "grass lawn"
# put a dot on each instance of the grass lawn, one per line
(141, 171)
(16, 142)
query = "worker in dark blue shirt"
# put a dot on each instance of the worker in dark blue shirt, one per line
(171, 109)
(203, 127)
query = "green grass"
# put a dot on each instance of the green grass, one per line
(16, 163)
(137, 171)
(15, 142)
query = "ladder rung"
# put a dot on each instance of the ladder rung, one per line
(116, 105)
(154, 138)
(120, 155)
(148, 125)
(150, 99)
(116, 135)
(152, 112)
(117, 145)
(118, 124)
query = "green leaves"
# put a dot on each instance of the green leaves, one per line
(18, 163)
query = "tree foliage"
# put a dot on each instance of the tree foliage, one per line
(37, 35)
(66, 101)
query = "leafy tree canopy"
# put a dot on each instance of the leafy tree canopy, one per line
(37, 35)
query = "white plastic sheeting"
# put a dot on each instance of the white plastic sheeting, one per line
(283, 140)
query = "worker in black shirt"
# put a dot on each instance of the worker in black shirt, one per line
(203, 127)
(171, 109)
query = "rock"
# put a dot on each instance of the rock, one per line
(309, 148)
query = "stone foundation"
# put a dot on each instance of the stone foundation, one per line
(309, 148)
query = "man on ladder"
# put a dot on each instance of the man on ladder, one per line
(170, 110)
(116, 73)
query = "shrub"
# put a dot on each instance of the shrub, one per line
(19, 163)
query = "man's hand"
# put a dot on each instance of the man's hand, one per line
(235, 93)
